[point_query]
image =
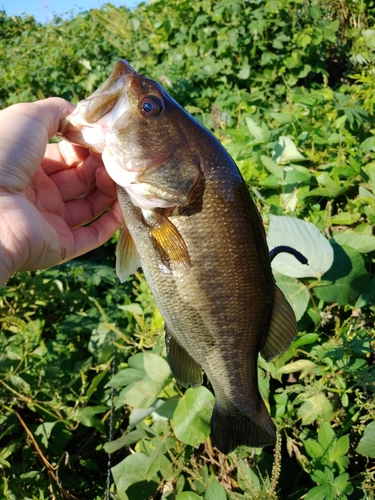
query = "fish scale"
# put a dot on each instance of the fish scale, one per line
(192, 226)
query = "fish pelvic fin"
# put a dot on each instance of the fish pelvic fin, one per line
(283, 327)
(230, 429)
(184, 368)
(168, 241)
(127, 258)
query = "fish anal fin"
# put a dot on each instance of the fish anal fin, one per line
(186, 371)
(231, 428)
(283, 327)
(127, 258)
(168, 241)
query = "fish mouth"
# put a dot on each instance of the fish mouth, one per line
(96, 114)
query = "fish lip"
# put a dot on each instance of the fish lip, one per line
(153, 164)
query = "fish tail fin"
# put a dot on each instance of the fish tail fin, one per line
(232, 429)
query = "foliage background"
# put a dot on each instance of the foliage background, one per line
(254, 72)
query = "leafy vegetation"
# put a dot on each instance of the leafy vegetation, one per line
(288, 87)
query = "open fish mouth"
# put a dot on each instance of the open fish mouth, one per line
(88, 123)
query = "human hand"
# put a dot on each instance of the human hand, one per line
(47, 192)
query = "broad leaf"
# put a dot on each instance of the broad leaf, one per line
(156, 367)
(191, 419)
(314, 407)
(133, 469)
(360, 242)
(346, 278)
(215, 491)
(304, 237)
(272, 167)
(366, 445)
(286, 151)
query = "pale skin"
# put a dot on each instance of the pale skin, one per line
(48, 192)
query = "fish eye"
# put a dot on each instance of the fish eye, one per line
(152, 106)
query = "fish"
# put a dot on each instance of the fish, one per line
(193, 228)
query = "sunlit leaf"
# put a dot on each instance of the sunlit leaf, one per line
(286, 151)
(304, 237)
(272, 167)
(314, 407)
(360, 242)
(301, 365)
(156, 367)
(133, 469)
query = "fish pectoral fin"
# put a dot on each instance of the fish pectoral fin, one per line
(127, 258)
(184, 368)
(283, 327)
(168, 241)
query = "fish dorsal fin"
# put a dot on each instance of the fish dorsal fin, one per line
(168, 241)
(185, 370)
(127, 258)
(283, 327)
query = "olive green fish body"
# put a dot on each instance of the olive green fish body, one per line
(220, 309)
(193, 227)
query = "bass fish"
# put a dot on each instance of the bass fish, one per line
(196, 232)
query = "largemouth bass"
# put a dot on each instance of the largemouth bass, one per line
(195, 231)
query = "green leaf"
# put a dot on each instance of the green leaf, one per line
(44, 431)
(346, 279)
(313, 449)
(304, 237)
(368, 144)
(191, 419)
(314, 407)
(131, 470)
(272, 167)
(125, 377)
(139, 395)
(317, 493)
(244, 72)
(246, 476)
(215, 491)
(282, 118)
(366, 445)
(188, 495)
(286, 151)
(301, 365)
(296, 293)
(342, 485)
(125, 440)
(156, 367)
(326, 435)
(132, 308)
(361, 242)
(87, 416)
(19, 383)
(261, 134)
(345, 218)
